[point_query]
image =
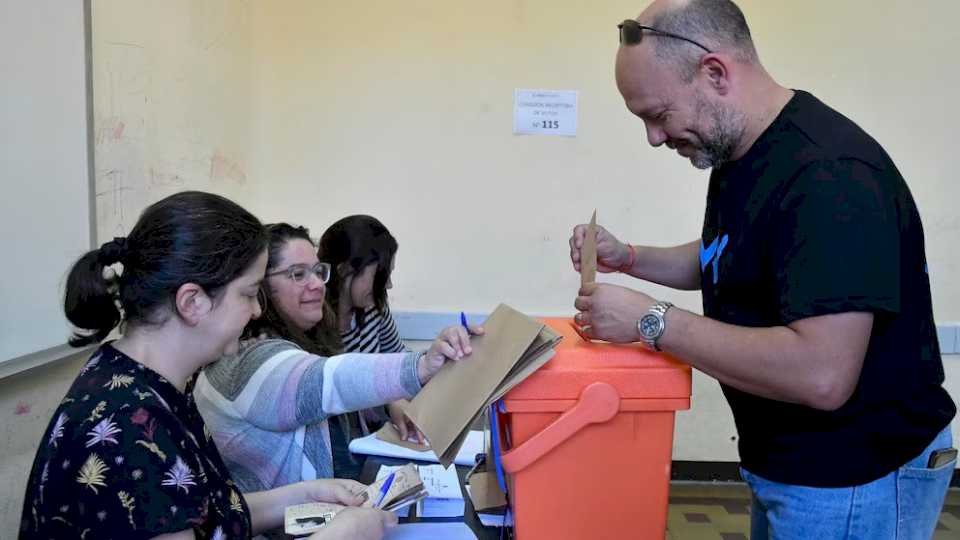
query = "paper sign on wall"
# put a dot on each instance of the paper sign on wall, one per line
(545, 112)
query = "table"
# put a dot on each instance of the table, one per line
(369, 473)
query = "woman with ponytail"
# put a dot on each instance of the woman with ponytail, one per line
(127, 454)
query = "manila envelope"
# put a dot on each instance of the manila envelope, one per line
(447, 405)
(389, 434)
(485, 492)
(538, 354)
(588, 253)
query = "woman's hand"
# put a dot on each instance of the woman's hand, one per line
(357, 524)
(407, 429)
(453, 343)
(267, 507)
(334, 490)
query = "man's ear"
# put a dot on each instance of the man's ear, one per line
(193, 303)
(716, 69)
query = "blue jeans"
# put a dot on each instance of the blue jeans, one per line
(904, 505)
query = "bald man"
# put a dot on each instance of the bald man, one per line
(817, 312)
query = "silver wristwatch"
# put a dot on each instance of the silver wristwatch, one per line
(652, 325)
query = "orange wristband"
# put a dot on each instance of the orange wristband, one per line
(633, 259)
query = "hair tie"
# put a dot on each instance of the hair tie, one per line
(113, 251)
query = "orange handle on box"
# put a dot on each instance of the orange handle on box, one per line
(599, 402)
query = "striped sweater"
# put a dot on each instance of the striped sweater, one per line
(267, 407)
(377, 334)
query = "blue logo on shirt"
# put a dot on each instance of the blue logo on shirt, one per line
(712, 254)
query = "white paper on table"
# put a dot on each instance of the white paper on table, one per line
(440, 483)
(431, 530)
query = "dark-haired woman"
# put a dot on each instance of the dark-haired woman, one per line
(268, 407)
(126, 454)
(361, 253)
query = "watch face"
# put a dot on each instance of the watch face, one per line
(650, 326)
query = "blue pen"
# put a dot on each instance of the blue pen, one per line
(463, 321)
(384, 489)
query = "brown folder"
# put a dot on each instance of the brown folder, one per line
(512, 347)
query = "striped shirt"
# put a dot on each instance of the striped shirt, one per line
(377, 334)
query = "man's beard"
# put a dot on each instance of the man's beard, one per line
(718, 144)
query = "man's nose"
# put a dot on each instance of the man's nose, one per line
(656, 136)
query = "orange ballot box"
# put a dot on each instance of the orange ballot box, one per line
(585, 442)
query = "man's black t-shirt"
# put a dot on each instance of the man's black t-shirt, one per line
(816, 219)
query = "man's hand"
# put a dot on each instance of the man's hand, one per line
(612, 254)
(610, 312)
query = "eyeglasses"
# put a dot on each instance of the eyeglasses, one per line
(300, 273)
(631, 33)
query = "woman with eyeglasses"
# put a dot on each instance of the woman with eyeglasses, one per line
(127, 454)
(268, 406)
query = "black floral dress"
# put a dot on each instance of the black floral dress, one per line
(127, 456)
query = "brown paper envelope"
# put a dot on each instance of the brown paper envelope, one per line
(514, 379)
(389, 434)
(451, 454)
(447, 404)
(531, 361)
(536, 363)
(542, 351)
(485, 492)
(588, 253)
(545, 340)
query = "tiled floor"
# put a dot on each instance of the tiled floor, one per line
(722, 512)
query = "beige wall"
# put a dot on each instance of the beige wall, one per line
(172, 88)
(307, 110)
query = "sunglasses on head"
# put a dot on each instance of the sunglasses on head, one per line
(631, 33)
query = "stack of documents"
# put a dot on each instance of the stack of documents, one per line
(395, 490)
(444, 498)
(512, 348)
